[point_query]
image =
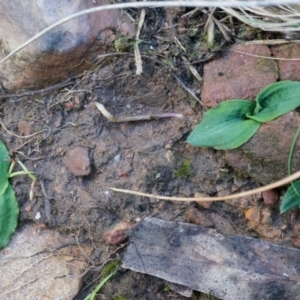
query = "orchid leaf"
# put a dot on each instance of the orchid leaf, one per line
(226, 126)
(9, 212)
(291, 198)
(4, 166)
(276, 100)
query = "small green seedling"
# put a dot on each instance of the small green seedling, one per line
(9, 209)
(234, 122)
(108, 271)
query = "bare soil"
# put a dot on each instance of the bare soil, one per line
(146, 156)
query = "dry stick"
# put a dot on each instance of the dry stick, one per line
(47, 89)
(114, 119)
(22, 137)
(229, 197)
(137, 53)
(185, 3)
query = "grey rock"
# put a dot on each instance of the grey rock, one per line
(61, 53)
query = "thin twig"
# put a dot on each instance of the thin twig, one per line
(114, 119)
(222, 198)
(22, 137)
(47, 89)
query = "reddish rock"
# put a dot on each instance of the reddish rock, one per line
(117, 235)
(77, 161)
(264, 157)
(63, 52)
(195, 216)
(288, 69)
(270, 197)
(235, 75)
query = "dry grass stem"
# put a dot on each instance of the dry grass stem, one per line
(229, 197)
(137, 54)
(114, 119)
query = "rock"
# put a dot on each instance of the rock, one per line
(296, 228)
(63, 52)
(268, 232)
(264, 157)
(195, 216)
(266, 216)
(204, 204)
(296, 241)
(288, 70)
(77, 161)
(270, 197)
(235, 75)
(253, 215)
(40, 263)
(117, 235)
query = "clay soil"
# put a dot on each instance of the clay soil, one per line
(150, 156)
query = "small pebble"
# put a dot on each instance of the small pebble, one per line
(117, 158)
(116, 235)
(296, 228)
(266, 216)
(168, 146)
(169, 155)
(296, 241)
(204, 204)
(253, 215)
(38, 215)
(77, 161)
(195, 216)
(270, 197)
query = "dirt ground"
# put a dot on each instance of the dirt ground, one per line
(149, 156)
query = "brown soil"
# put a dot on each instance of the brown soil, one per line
(84, 206)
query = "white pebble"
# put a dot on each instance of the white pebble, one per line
(117, 158)
(38, 215)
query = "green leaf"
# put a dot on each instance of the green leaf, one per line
(9, 212)
(4, 166)
(276, 100)
(226, 126)
(291, 198)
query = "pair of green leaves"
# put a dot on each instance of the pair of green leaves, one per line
(234, 122)
(9, 209)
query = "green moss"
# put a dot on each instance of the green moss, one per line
(184, 170)
(110, 267)
(122, 44)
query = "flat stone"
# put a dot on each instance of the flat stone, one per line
(232, 267)
(77, 161)
(40, 263)
(63, 52)
(237, 76)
